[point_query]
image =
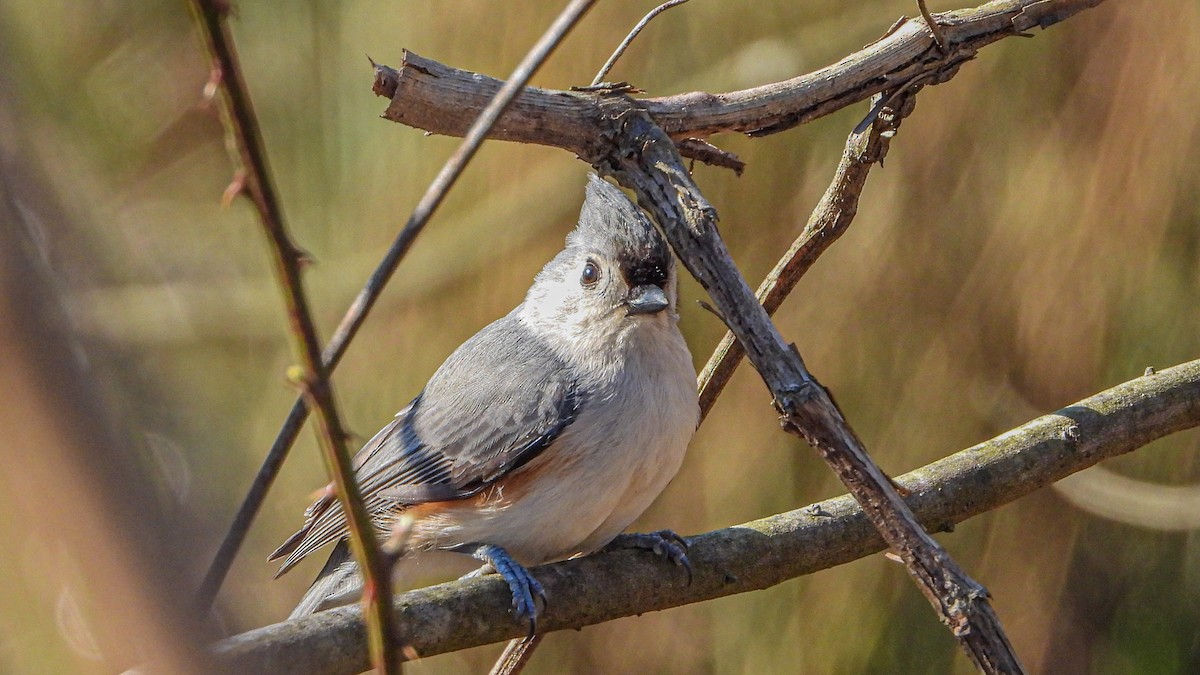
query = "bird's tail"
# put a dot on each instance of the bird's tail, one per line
(338, 583)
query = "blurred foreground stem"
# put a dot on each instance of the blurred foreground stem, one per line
(254, 181)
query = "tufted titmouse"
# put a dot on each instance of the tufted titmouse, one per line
(547, 433)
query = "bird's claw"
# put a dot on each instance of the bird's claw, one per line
(664, 543)
(525, 589)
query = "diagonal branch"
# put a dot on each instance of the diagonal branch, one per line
(357, 313)
(645, 161)
(255, 182)
(753, 555)
(828, 221)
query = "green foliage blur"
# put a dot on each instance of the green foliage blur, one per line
(1033, 238)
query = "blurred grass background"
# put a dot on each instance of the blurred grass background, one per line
(1033, 238)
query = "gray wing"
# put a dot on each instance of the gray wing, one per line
(497, 402)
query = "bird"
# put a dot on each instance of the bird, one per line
(543, 436)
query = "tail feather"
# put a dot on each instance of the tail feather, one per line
(338, 583)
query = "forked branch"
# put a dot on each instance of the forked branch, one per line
(443, 100)
(634, 141)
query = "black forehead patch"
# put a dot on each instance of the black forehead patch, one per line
(639, 271)
(613, 225)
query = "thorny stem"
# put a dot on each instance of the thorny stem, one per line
(255, 182)
(357, 313)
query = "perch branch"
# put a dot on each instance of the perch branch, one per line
(255, 182)
(357, 313)
(754, 555)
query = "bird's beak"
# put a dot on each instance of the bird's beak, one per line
(646, 299)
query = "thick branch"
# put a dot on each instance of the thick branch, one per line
(443, 100)
(753, 555)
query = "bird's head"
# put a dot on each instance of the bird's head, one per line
(615, 275)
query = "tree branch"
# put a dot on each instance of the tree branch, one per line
(828, 221)
(437, 98)
(753, 555)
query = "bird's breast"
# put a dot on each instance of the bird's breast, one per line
(625, 445)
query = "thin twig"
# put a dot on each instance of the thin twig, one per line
(629, 38)
(314, 382)
(828, 221)
(695, 148)
(939, 38)
(758, 554)
(516, 655)
(367, 297)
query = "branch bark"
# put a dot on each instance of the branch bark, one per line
(443, 100)
(753, 555)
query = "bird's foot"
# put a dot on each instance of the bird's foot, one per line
(663, 543)
(525, 589)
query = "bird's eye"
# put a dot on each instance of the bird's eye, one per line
(591, 274)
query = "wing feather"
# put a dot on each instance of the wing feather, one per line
(501, 399)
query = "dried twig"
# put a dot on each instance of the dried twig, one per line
(828, 221)
(255, 182)
(753, 555)
(938, 38)
(645, 161)
(357, 313)
(612, 60)
(516, 655)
